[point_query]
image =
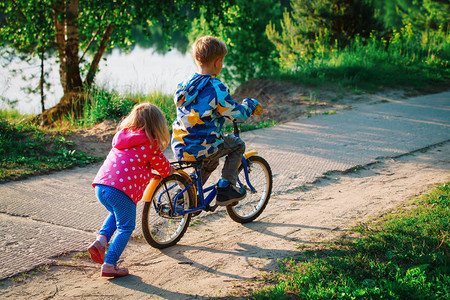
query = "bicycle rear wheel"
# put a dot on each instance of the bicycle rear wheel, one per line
(161, 225)
(260, 177)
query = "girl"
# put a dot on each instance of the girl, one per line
(120, 182)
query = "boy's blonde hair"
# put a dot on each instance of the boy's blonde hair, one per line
(208, 48)
(151, 119)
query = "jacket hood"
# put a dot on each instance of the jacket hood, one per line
(188, 90)
(127, 138)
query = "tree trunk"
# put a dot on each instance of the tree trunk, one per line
(58, 21)
(67, 40)
(65, 108)
(98, 55)
(73, 79)
(42, 81)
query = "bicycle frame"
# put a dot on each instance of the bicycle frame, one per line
(172, 202)
(203, 203)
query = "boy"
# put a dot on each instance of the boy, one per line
(203, 102)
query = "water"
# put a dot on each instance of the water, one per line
(139, 71)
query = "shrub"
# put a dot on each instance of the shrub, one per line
(104, 105)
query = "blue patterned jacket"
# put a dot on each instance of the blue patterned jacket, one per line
(203, 102)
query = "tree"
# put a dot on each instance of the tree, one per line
(81, 31)
(327, 22)
(33, 41)
(242, 27)
(423, 15)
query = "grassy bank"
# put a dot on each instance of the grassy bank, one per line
(29, 150)
(103, 105)
(406, 60)
(359, 71)
(403, 255)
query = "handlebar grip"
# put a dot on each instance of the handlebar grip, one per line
(258, 110)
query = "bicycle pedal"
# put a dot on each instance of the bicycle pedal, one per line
(211, 208)
(196, 213)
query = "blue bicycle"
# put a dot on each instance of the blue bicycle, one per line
(171, 202)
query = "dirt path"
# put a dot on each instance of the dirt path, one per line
(218, 258)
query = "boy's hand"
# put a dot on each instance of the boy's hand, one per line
(253, 105)
(258, 110)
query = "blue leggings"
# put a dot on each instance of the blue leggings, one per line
(122, 218)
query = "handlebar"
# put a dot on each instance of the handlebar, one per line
(235, 127)
(258, 111)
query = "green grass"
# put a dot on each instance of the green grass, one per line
(104, 105)
(248, 127)
(13, 114)
(163, 101)
(110, 105)
(403, 61)
(27, 150)
(360, 71)
(404, 255)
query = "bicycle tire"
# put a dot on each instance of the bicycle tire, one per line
(160, 227)
(251, 207)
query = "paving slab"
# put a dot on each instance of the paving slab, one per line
(26, 244)
(44, 216)
(301, 151)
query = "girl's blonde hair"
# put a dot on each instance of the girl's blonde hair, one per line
(151, 119)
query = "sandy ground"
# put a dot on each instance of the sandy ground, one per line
(218, 258)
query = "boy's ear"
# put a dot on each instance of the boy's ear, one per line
(216, 62)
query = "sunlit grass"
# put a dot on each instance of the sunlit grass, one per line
(28, 150)
(163, 101)
(105, 105)
(404, 255)
(359, 71)
(13, 114)
(403, 61)
(248, 127)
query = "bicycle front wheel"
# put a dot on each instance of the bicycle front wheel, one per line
(260, 177)
(161, 224)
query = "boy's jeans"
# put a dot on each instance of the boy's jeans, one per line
(233, 148)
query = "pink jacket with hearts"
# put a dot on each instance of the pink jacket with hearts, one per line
(129, 164)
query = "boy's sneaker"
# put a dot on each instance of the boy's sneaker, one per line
(229, 194)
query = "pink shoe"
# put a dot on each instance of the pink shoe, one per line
(113, 271)
(97, 252)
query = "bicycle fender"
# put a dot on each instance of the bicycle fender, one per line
(154, 182)
(189, 180)
(184, 174)
(249, 154)
(150, 189)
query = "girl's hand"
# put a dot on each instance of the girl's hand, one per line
(156, 175)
